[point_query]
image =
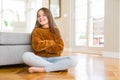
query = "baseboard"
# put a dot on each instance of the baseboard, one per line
(111, 54)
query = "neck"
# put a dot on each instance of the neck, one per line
(45, 26)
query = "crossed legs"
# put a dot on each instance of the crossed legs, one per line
(42, 64)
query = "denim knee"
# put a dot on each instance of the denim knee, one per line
(27, 57)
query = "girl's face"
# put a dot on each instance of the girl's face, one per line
(42, 18)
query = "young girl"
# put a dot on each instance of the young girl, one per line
(47, 46)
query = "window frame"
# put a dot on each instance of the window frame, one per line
(87, 47)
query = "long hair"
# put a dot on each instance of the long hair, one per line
(51, 21)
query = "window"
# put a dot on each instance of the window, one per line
(80, 22)
(89, 23)
(18, 15)
(12, 11)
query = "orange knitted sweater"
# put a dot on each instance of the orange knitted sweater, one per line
(45, 44)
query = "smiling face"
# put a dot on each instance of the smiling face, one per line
(42, 19)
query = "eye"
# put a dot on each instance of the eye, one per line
(44, 15)
(38, 15)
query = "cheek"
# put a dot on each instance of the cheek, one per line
(47, 20)
(38, 19)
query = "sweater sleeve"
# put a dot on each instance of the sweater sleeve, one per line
(58, 46)
(38, 44)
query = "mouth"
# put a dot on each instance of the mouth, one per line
(42, 20)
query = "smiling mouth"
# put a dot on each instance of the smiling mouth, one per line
(42, 20)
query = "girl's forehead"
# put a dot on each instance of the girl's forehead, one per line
(41, 12)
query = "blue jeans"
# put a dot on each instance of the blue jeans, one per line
(50, 64)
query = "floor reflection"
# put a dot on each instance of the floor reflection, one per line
(89, 68)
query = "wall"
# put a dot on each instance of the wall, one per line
(119, 28)
(64, 22)
(111, 30)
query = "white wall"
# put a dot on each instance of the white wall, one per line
(111, 30)
(119, 28)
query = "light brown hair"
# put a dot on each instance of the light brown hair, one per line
(52, 24)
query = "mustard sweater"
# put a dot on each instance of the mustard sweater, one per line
(44, 44)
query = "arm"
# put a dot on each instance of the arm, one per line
(38, 44)
(58, 46)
